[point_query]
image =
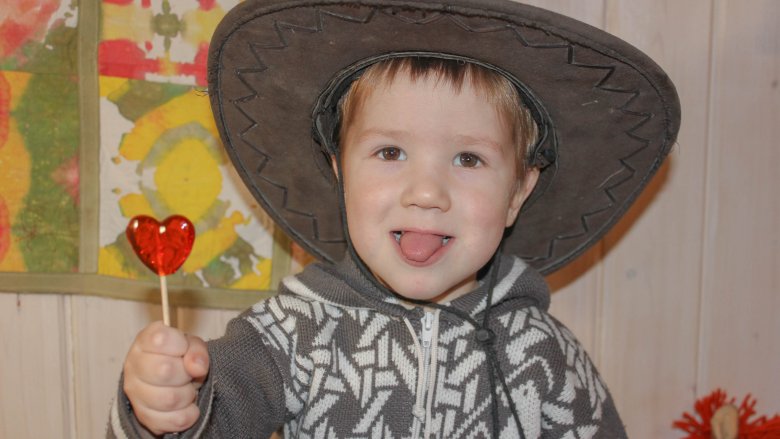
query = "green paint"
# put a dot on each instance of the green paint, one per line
(142, 97)
(218, 273)
(48, 225)
(57, 54)
(242, 251)
(167, 25)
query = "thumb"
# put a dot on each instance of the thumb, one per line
(196, 359)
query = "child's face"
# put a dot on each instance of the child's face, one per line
(430, 185)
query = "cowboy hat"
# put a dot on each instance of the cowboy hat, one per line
(608, 115)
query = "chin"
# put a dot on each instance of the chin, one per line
(430, 292)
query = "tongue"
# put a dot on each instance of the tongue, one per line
(419, 246)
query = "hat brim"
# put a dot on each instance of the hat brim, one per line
(613, 113)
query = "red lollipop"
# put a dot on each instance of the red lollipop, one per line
(163, 247)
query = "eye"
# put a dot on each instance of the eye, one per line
(467, 160)
(391, 153)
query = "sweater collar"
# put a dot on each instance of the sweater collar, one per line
(345, 285)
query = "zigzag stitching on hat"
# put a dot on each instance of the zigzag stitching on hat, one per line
(507, 27)
(265, 158)
(435, 16)
(631, 133)
(280, 26)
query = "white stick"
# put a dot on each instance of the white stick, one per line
(164, 292)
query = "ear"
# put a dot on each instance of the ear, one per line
(522, 191)
(334, 163)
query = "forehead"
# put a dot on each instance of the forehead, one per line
(430, 102)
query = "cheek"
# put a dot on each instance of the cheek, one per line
(488, 218)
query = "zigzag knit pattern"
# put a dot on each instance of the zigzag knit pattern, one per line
(330, 357)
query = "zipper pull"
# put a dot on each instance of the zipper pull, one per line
(427, 329)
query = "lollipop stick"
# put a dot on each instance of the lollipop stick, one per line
(164, 292)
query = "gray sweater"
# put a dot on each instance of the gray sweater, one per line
(333, 356)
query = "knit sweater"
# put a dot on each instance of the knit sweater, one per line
(334, 356)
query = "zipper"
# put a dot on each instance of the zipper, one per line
(426, 336)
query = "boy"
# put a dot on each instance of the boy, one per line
(425, 328)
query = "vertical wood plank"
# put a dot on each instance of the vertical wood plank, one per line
(35, 369)
(652, 261)
(103, 330)
(741, 274)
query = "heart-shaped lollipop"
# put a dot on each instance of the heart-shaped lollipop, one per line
(163, 247)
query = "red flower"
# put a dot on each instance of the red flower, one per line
(701, 428)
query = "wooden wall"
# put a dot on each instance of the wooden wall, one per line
(681, 298)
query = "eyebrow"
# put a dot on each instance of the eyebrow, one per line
(477, 140)
(461, 139)
(396, 134)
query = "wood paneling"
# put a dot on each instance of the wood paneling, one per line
(35, 371)
(653, 257)
(740, 324)
(103, 330)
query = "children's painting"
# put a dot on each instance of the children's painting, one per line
(159, 153)
(39, 137)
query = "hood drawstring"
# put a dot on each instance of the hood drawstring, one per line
(485, 338)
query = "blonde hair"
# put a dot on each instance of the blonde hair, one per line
(495, 87)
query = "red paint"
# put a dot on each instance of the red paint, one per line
(124, 59)
(198, 67)
(25, 20)
(67, 176)
(161, 247)
(207, 5)
(119, 2)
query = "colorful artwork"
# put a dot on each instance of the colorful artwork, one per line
(38, 35)
(158, 41)
(160, 155)
(39, 137)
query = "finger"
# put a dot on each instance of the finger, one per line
(196, 360)
(157, 370)
(159, 422)
(161, 399)
(160, 339)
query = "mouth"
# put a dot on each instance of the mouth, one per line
(421, 248)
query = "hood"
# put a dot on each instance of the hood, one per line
(344, 285)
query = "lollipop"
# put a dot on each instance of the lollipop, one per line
(162, 247)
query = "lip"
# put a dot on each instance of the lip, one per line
(435, 257)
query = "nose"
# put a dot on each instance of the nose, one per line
(426, 189)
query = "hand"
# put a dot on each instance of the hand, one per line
(162, 374)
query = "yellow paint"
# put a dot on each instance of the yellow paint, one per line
(135, 204)
(126, 23)
(14, 185)
(113, 87)
(254, 281)
(111, 262)
(188, 179)
(199, 25)
(181, 110)
(18, 82)
(212, 243)
(167, 67)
